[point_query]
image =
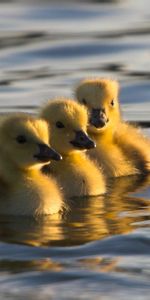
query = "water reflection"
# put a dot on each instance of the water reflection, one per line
(31, 265)
(89, 219)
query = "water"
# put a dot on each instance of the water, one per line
(100, 248)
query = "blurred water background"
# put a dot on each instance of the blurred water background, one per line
(100, 248)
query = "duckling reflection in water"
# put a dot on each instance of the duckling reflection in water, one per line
(24, 148)
(76, 173)
(88, 219)
(122, 205)
(110, 214)
(121, 148)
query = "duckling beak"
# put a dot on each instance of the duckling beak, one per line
(82, 141)
(98, 118)
(46, 154)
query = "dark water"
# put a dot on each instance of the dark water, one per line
(100, 249)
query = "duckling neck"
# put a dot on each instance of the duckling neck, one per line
(73, 155)
(68, 159)
(103, 136)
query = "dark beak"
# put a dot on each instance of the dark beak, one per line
(46, 154)
(98, 118)
(82, 141)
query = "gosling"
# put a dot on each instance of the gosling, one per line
(121, 148)
(76, 173)
(24, 149)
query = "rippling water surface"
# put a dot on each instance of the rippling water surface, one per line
(100, 248)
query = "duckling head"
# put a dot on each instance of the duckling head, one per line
(25, 141)
(100, 96)
(68, 122)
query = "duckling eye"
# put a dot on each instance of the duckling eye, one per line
(21, 139)
(59, 124)
(84, 101)
(112, 102)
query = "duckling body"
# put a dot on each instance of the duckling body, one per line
(79, 176)
(135, 145)
(31, 194)
(24, 190)
(121, 149)
(110, 157)
(76, 173)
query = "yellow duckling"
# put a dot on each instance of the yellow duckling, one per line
(24, 148)
(76, 173)
(121, 148)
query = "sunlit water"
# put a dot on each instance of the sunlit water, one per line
(100, 248)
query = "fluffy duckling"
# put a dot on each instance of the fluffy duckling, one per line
(121, 148)
(24, 148)
(76, 173)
